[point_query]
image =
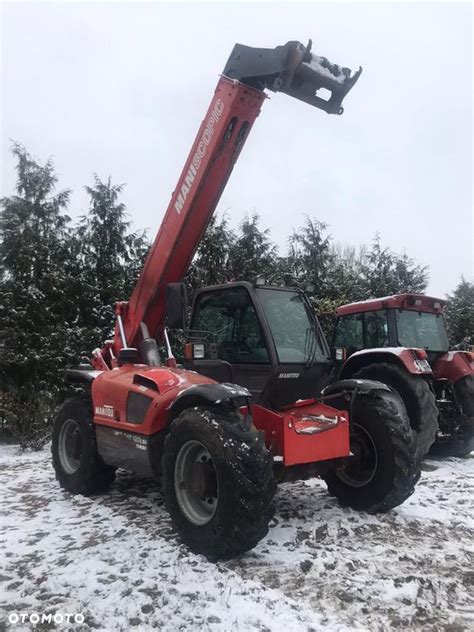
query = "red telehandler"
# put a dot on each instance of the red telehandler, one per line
(216, 452)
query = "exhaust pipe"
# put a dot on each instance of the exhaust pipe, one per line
(294, 70)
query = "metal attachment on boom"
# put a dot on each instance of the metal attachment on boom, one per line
(170, 360)
(149, 348)
(292, 69)
(122, 331)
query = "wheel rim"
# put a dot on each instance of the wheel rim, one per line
(70, 446)
(195, 483)
(361, 468)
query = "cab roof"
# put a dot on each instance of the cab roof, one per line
(416, 302)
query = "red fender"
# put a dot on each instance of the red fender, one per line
(415, 361)
(454, 365)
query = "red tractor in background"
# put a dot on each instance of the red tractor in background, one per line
(402, 341)
(214, 449)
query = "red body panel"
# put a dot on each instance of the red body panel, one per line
(218, 143)
(284, 433)
(416, 302)
(110, 392)
(414, 360)
(454, 365)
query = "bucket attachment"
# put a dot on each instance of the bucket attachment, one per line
(294, 70)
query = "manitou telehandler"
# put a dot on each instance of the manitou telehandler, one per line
(402, 340)
(216, 451)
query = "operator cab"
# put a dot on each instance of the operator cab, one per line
(266, 339)
(403, 320)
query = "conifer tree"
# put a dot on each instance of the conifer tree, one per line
(252, 254)
(211, 265)
(309, 257)
(110, 256)
(460, 315)
(385, 272)
(34, 246)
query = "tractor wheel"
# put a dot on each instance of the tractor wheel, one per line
(383, 470)
(417, 396)
(462, 444)
(77, 464)
(218, 481)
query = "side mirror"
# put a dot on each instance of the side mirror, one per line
(176, 305)
(339, 354)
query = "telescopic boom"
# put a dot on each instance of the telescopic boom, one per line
(236, 103)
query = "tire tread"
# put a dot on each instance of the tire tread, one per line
(250, 474)
(417, 396)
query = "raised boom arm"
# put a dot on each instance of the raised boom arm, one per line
(235, 106)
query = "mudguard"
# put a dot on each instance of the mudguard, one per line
(200, 394)
(347, 387)
(413, 360)
(344, 393)
(85, 374)
(454, 365)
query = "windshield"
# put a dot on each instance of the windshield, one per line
(296, 337)
(422, 330)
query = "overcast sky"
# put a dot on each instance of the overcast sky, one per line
(121, 89)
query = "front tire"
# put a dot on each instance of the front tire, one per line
(419, 400)
(78, 466)
(218, 482)
(384, 469)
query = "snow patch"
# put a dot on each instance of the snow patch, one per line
(116, 558)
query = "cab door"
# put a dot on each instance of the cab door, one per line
(226, 321)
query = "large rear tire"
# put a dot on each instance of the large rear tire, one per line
(78, 466)
(384, 469)
(218, 482)
(419, 400)
(462, 443)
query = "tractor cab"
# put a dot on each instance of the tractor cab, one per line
(266, 339)
(403, 320)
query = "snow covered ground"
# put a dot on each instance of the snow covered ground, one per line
(116, 560)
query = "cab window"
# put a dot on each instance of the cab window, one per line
(228, 318)
(294, 332)
(422, 330)
(376, 329)
(350, 333)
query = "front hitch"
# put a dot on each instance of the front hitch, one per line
(294, 70)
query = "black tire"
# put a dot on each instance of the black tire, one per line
(464, 389)
(462, 444)
(243, 468)
(383, 472)
(74, 425)
(419, 400)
